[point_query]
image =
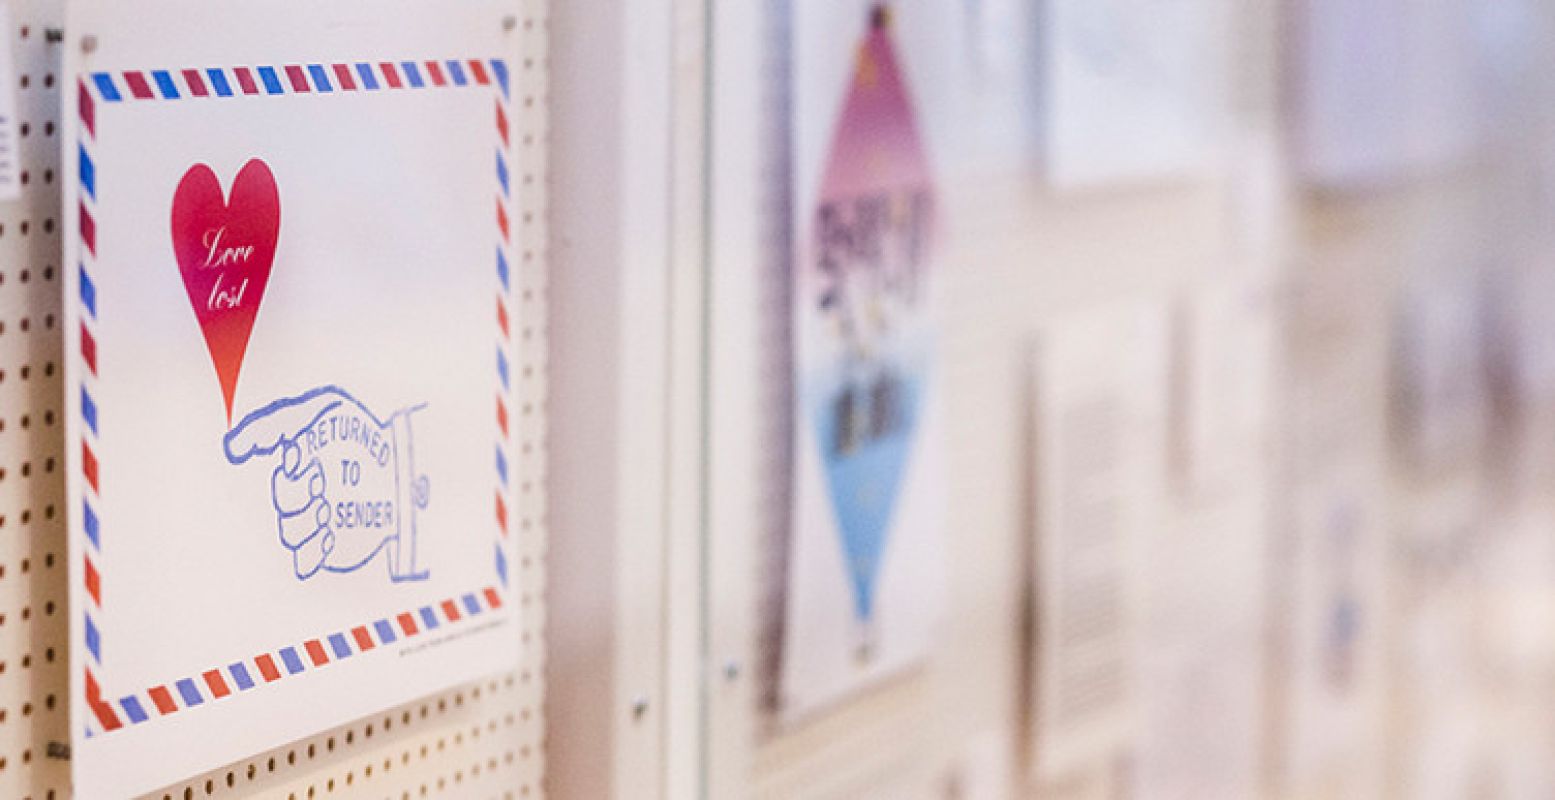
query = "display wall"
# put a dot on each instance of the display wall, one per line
(893, 413)
(482, 737)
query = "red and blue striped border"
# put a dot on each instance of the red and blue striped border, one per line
(217, 82)
(234, 82)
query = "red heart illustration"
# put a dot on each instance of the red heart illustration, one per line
(225, 249)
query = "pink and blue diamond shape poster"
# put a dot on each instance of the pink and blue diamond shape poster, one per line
(863, 588)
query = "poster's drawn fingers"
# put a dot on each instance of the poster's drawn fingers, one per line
(292, 490)
(272, 427)
(291, 456)
(297, 530)
(310, 557)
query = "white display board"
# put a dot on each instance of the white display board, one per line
(1099, 477)
(863, 588)
(292, 237)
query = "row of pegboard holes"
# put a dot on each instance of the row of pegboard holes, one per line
(440, 737)
(33, 705)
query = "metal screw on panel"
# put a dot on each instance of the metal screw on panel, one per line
(639, 707)
(731, 670)
(53, 35)
(509, 22)
(88, 43)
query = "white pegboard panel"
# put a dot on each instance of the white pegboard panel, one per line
(33, 630)
(483, 739)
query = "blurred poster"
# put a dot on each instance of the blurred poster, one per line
(290, 461)
(999, 62)
(1336, 669)
(1222, 388)
(864, 571)
(1387, 87)
(1440, 397)
(1202, 702)
(1519, 357)
(1202, 668)
(1135, 89)
(1442, 692)
(1334, 558)
(1099, 472)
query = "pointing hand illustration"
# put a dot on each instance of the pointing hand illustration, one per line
(344, 487)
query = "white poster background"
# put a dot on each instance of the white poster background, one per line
(1135, 89)
(1099, 485)
(821, 661)
(384, 283)
(1000, 65)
